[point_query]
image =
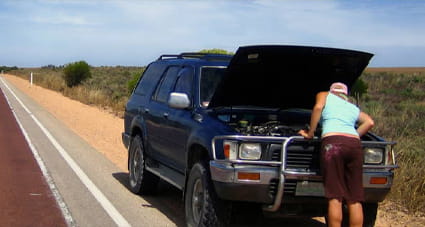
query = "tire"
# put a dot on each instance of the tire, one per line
(369, 214)
(202, 206)
(140, 181)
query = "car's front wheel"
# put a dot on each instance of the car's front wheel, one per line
(140, 180)
(202, 206)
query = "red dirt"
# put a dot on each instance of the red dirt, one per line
(397, 70)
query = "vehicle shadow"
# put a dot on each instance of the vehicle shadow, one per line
(169, 201)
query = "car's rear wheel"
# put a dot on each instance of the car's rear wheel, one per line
(141, 181)
(202, 206)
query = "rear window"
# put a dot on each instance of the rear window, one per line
(149, 79)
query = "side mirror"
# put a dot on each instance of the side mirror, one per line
(179, 100)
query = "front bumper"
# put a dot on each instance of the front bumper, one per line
(279, 185)
(226, 180)
(230, 187)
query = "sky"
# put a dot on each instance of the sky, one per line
(35, 33)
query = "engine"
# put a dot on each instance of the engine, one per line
(271, 128)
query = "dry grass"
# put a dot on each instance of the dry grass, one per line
(106, 89)
(396, 102)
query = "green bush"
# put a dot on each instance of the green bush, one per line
(131, 84)
(75, 73)
(359, 89)
(7, 68)
(215, 51)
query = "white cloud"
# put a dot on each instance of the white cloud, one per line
(62, 20)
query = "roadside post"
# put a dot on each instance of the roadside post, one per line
(31, 80)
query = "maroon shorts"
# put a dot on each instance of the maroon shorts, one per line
(342, 168)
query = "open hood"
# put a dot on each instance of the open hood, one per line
(286, 76)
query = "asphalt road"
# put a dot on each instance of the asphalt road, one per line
(79, 182)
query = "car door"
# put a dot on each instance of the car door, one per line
(157, 123)
(180, 121)
(168, 126)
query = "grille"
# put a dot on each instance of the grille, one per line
(273, 187)
(276, 154)
(300, 156)
(290, 186)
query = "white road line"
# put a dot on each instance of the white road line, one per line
(100, 197)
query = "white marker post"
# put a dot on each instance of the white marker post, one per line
(31, 80)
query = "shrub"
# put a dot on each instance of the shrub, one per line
(7, 68)
(359, 89)
(215, 51)
(75, 73)
(131, 84)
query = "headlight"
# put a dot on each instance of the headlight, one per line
(373, 155)
(250, 151)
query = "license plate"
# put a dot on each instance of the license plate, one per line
(308, 188)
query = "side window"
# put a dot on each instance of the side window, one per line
(210, 79)
(185, 81)
(167, 83)
(149, 79)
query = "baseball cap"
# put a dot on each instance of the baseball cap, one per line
(339, 87)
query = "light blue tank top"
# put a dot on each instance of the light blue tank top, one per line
(339, 116)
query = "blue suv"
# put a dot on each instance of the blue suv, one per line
(223, 129)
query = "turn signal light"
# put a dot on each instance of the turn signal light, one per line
(248, 176)
(227, 150)
(378, 180)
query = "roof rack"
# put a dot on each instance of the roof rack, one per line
(195, 55)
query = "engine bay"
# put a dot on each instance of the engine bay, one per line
(267, 123)
(271, 128)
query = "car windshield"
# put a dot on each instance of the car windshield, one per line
(210, 78)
